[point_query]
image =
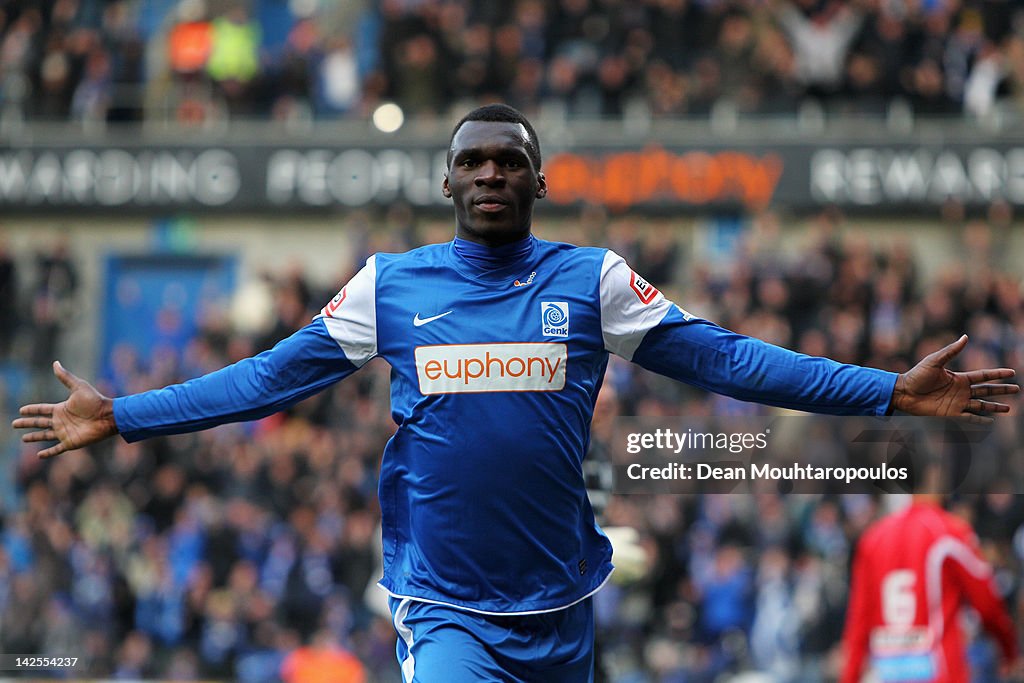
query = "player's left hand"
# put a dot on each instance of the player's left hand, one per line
(929, 388)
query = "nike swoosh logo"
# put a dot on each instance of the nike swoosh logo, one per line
(419, 322)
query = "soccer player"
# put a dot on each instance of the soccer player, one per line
(498, 343)
(913, 571)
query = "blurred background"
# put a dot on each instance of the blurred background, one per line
(185, 182)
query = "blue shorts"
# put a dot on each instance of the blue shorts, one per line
(441, 644)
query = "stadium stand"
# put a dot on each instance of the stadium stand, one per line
(197, 60)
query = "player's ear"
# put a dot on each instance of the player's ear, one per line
(542, 186)
(445, 190)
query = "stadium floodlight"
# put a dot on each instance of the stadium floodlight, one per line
(388, 117)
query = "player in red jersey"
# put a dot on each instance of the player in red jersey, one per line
(912, 573)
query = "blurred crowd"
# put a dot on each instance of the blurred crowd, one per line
(201, 61)
(245, 552)
(759, 582)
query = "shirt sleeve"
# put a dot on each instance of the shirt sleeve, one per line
(970, 571)
(855, 634)
(641, 325)
(340, 340)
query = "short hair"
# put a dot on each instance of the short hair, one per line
(500, 113)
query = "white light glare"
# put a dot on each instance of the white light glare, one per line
(388, 117)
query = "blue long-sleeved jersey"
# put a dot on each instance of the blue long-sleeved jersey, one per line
(495, 371)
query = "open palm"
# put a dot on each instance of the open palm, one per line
(86, 417)
(929, 388)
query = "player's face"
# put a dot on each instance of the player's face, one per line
(492, 182)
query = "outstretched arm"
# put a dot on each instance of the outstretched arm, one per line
(86, 417)
(296, 368)
(703, 354)
(641, 325)
(337, 343)
(929, 388)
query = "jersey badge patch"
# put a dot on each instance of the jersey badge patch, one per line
(331, 307)
(643, 289)
(554, 318)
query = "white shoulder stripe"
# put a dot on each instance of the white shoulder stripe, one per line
(948, 547)
(351, 316)
(630, 306)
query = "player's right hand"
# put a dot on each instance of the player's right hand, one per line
(87, 416)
